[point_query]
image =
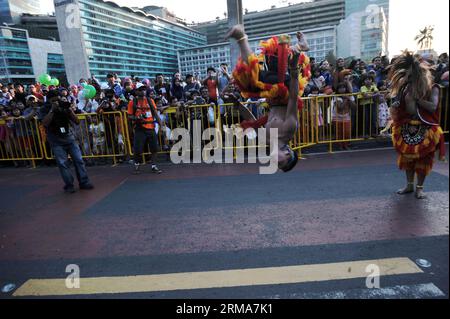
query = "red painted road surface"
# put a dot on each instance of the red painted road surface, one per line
(39, 222)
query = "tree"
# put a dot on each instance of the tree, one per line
(425, 38)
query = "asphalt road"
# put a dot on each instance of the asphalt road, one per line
(216, 223)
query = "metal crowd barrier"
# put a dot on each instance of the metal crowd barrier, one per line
(178, 117)
(99, 136)
(20, 140)
(233, 137)
(337, 125)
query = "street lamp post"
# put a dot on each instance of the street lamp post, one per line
(234, 17)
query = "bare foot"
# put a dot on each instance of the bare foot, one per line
(236, 32)
(420, 193)
(302, 44)
(407, 190)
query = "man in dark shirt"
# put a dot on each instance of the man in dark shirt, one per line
(162, 89)
(20, 95)
(190, 87)
(56, 117)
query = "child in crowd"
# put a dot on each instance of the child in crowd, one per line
(316, 104)
(97, 131)
(325, 72)
(367, 110)
(317, 80)
(163, 131)
(383, 109)
(342, 106)
(5, 96)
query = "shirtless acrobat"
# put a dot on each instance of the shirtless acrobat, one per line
(283, 111)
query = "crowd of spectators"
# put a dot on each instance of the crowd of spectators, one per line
(349, 114)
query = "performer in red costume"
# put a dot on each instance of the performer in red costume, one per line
(281, 89)
(416, 132)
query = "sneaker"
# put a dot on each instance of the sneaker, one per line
(87, 186)
(156, 170)
(69, 189)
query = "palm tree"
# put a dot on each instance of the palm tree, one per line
(425, 38)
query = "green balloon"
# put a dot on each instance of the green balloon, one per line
(90, 91)
(45, 79)
(54, 82)
(86, 94)
(83, 84)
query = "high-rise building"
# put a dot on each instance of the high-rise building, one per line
(47, 57)
(196, 60)
(55, 65)
(364, 32)
(15, 58)
(40, 26)
(11, 10)
(163, 13)
(23, 58)
(100, 37)
(353, 6)
(289, 19)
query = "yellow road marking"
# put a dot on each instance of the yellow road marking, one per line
(218, 279)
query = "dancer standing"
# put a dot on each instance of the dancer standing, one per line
(416, 132)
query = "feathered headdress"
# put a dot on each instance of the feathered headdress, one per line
(408, 70)
(272, 81)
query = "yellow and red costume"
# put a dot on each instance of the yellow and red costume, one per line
(416, 139)
(253, 84)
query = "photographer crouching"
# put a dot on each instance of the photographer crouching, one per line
(56, 117)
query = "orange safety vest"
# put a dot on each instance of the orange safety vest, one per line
(138, 108)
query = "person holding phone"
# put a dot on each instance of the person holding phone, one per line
(212, 84)
(162, 89)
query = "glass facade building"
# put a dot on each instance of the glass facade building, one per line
(15, 59)
(122, 40)
(11, 10)
(197, 60)
(374, 41)
(289, 19)
(55, 65)
(353, 6)
(365, 30)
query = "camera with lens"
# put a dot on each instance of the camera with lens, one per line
(63, 107)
